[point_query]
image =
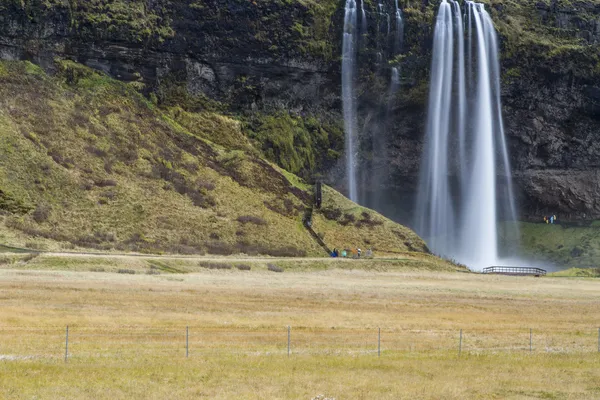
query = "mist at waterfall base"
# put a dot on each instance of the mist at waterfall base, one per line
(465, 156)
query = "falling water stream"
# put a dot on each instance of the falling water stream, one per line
(465, 150)
(348, 96)
(398, 39)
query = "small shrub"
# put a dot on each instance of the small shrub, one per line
(105, 183)
(126, 271)
(220, 248)
(205, 185)
(110, 194)
(42, 213)
(576, 252)
(286, 251)
(5, 260)
(201, 200)
(153, 271)
(348, 219)
(97, 269)
(274, 268)
(29, 257)
(187, 250)
(331, 213)
(214, 265)
(96, 151)
(243, 267)
(251, 219)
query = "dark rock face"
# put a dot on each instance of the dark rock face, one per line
(552, 115)
(271, 55)
(243, 53)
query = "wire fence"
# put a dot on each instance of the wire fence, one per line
(194, 341)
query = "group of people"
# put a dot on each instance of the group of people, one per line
(352, 253)
(550, 220)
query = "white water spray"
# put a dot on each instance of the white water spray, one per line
(349, 103)
(458, 205)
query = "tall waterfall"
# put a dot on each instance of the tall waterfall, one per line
(348, 72)
(458, 203)
(398, 39)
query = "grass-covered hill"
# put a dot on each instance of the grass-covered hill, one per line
(562, 245)
(88, 162)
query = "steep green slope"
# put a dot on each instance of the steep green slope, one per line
(87, 161)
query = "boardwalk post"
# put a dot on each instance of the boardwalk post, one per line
(530, 340)
(379, 343)
(460, 343)
(67, 344)
(187, 341)
(289, 339)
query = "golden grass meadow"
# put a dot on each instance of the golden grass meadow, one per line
(127, 331)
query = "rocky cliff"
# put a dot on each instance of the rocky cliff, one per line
(274, 65)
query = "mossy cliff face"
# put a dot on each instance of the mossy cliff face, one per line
(274, 65)
(258, 59)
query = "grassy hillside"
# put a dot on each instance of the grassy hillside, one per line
(85, 161)
(563, 245)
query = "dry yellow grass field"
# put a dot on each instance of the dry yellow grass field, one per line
(127, 333)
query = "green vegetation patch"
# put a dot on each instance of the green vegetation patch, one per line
(567, 246)
(301, 145)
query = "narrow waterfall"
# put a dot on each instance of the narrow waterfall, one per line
(348, 95)
(399, 38)
(377, 119)
(465, 154)
(364, 27)
(395, 81)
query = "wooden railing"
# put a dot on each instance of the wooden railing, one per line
(514, 271)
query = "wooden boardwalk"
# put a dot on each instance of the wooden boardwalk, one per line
(529, 271)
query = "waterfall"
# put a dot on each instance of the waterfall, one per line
(435, 213)
(364, 17)
(398, 42)
(464, 154)
(462, 96)
(348, 95)
(395, 81)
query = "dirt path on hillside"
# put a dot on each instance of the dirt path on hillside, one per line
(212, 258)
(216, 258)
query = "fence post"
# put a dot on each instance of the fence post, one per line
(187, 341)
(379, 343)
(67, 344)
(530, 340)
(289, 338)
(460, 343)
